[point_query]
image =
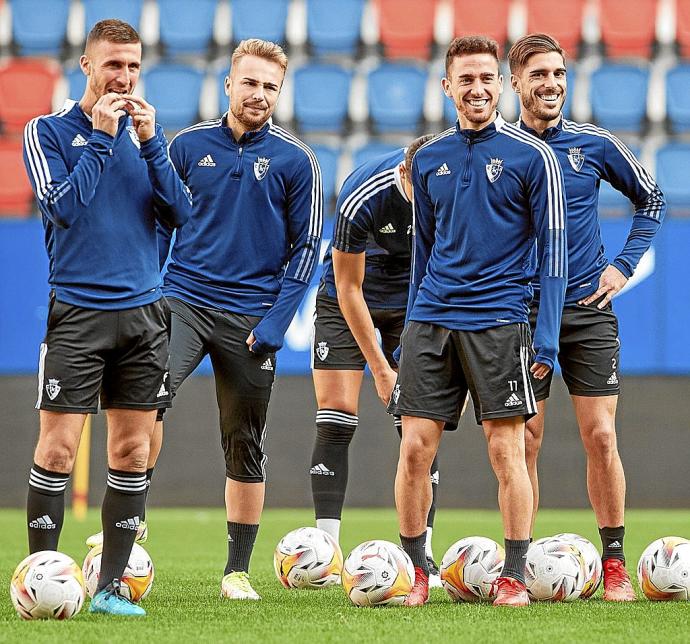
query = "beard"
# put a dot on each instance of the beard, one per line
(474, 116)
(534, 106)
(250, 121)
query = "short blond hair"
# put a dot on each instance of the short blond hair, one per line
(262, 49)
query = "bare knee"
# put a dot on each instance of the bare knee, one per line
(534, 433)
(417, 453)
(130, 455)
(600, 440)
(55, 455)
(506, 456)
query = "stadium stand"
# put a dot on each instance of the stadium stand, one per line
(672, 163)
(565, 23)
(482, 17)
(321, 97)
(174, 91)
(186, 27)
(406, 27)
(38, 26)
(678, 98)
(15, 190)
(618, 94)
(26, 90)
(369, 151)
(627, 29)
(328, 162)
(683, 27)
(127, 10)
(76, 83)
(264, 19)
(333, 26)
(396, 97)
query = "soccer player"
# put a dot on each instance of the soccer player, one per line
(238, 272)
(102, 177)
(589, 347)
(364, 287)
(483, 191)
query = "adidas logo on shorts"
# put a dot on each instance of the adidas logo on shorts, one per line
(42, 523)
(613, 379)
(267, 365)
(321, 470)
(435, 478)
(129, 524)
(513, 401)
(207, 162)
(387, 229)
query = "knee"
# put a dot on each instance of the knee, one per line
(56, 457)
(417, 453)
(533, 439)
(505, 455)
(600, 439)
(129, 455)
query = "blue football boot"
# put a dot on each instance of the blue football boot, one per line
(110, 601)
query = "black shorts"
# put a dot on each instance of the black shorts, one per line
(123, 355)
(589, 351)
(438, 366)
(243, 379)
(335, 347)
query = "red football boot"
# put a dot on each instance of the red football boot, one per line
(510, 592)
(617, 586)
(419, 595)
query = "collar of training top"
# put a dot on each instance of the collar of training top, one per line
(481, 135)
(248, 137)
(548, 133)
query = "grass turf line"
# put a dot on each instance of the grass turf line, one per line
(188, 548)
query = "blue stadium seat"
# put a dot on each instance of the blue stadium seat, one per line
(38, 26)
(328, 162)
(396, 97)
(186, 27)
(449, 113)
(321, 97)
(76, 83)
(678, 98)
(672, 163)
(223, 100)
(127, 10)
(174, 91)
(370, 151)
(333, 26)
(618, 95)
(259, 19)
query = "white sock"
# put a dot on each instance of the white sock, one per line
(427, 545)
(332, 526)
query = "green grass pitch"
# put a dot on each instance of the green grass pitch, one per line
(188, 548)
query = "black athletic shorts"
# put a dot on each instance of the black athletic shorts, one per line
(243, 379)
(335, 347)
(589, 351)
(123, 355)
(438, 366)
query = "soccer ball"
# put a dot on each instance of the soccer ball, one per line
(47, 585)
(555, 570)
(137, 578)
(378, 573)
(664, 569)
(469, 568)
(592, 562)
(308, 558)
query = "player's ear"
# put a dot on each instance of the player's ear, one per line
(85, 64)
(514, 83)
(445, 85)
(500, 83)
(227, 85)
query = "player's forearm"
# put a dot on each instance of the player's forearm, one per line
(546, 334)
(639, 240)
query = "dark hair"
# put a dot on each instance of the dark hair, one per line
(112, 30)
(412, 149)
(527, 46)
(468, 45)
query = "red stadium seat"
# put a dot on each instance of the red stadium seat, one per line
(26, 90)
(482, 17)
(15, 189)
(683, 26)
(564, 24)
(627, 29)
(407, 27)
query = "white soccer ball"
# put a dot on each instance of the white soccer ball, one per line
(554, 570)
(137, 578)
(664, 569)
(592, 562)
(308, 558)
(377, 573)
(47, 585)
(469, 568)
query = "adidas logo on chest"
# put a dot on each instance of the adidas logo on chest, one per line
(207, 162)
(78, 141)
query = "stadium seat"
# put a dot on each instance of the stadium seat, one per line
(16, 196)
(406, 27)
(186, 27)
(672, 163)
(174, 91)
(678, 98)
(396, 97)
(683, 27)
(482, 17)
(76, 83)
(333, 26)
(321, 97)
(328, 162)
(564, 24)
(26, 90)
(223, 100)
(627, 29)
(618, 95)
(127, 10)
(38, 26)
(264, 19)
(370, 151)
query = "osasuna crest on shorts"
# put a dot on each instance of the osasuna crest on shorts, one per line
(494, 169)
(322, 350)
(261, 167)
(53, 388)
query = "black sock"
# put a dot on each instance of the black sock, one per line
(45, 508)
(329, 462)
(516, 554)
(123, 505)
(434, 491)
(415, 547)
(612, 543)
(241, 537)
(149, 475)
